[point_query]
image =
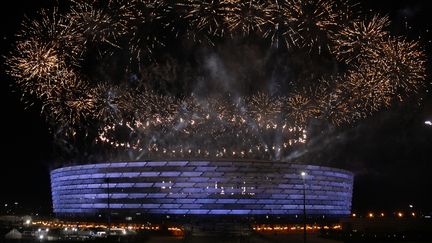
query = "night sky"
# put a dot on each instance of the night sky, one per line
(390, 152)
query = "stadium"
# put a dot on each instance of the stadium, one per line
(200, 188)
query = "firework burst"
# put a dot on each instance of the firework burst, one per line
(247, 17)
(404, 64)
(278, 26)
(209, 16)
(95, 24)
(314, 20)
(359, 39)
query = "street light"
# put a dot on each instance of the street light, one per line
(303, 175)
(107, 180)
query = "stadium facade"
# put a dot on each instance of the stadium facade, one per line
(200, 188)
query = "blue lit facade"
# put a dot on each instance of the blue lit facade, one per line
(200, 188)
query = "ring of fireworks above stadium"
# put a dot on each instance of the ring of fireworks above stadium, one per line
(200, 188)
(208, 79)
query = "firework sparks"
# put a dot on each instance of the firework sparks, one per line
(360, 38)
(208, 16)
(278, 26)
(69, 102)
(404, 63)
(314, 20)
(95, 24)
(247, 17)
(150, 108)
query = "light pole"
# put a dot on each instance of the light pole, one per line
(303, 175)
(109, 206)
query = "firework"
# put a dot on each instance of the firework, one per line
(404, 64)
(233, 133)
(247, 17)
(314, 20)
(360, 39)
(34, 62)
(264, 108)
(44, 48)
(69, 102)
(300, 108)
(145, 24)
(95, 24)
(278, 26)
(138, 93)
(370, 88)
(210, 16)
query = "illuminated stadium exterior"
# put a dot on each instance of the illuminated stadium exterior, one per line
(158, 188)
